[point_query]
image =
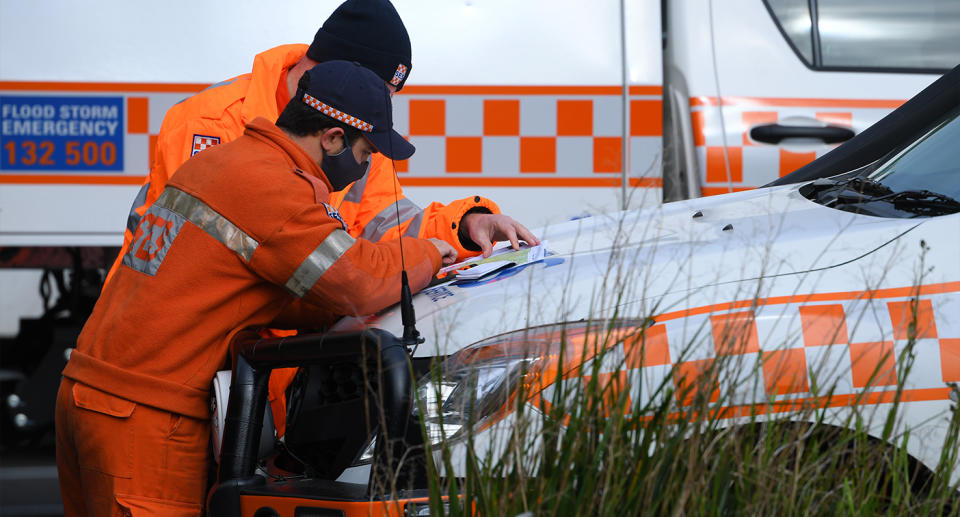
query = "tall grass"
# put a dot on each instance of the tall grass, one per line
(591, 443)
(588, 433)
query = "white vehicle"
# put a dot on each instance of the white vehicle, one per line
(831, 298)
(593, 106)
(839, 278)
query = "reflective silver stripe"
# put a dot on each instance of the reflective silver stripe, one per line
(208, 220)
(355, 194)
(223, 83)
(133, 220)
(318, 262)
(387, 219)
(215, 85)
(414, 229)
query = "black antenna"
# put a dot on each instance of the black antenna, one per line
(411, 336)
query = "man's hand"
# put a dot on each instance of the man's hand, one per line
(447, 253)
(486, 229)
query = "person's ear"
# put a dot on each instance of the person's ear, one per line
(332, 140)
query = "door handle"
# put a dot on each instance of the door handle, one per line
(774, 133)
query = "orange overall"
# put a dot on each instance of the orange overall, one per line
(242, 236)
(218, 115)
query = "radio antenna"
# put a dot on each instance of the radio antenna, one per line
(411, 336)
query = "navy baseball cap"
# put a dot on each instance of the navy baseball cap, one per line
(354, 95)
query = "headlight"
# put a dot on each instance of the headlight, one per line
(480, 384)
(468, 392)
(475, 383)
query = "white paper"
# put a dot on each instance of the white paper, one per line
(529, 254)
(481, 270)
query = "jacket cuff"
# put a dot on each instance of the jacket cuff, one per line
(458, 209)
(465, 241)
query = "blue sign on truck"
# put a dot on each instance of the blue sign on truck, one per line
(47, 133)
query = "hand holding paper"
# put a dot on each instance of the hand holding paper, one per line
(501, 257)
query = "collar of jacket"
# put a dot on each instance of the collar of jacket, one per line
(261, 98)
(262, 129)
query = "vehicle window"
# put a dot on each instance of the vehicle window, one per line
(932, 163)
(920, 35)
(793, 17)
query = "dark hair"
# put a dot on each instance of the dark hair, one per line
(300, 119)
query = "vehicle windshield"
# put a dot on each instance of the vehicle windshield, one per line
(931, 163)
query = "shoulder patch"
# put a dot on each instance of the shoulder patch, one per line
(333, 213)
(201, 142)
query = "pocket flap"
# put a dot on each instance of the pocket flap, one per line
(87, 397)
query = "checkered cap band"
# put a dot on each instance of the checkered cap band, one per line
(332, 112)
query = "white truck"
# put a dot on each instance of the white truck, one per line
(554, 109)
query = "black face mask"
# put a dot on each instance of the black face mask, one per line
(342, 168)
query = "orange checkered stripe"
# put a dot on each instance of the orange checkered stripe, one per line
(332, 112)
(536, 136)
(744, 163)
(491, 135)
(773, 352)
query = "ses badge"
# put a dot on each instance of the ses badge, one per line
(201, 142)
(334, 214)
(399, 75)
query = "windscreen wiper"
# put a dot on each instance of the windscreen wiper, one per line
(859, 189)
(919, 202)
(922, 202)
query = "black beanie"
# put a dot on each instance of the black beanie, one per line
(369, 32)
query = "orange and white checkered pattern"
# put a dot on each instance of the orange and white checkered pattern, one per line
(536, 133)
(745, 163)
(785, 351)
(332, 112)
(201, 142)
(399, 75)
(496, 135)
(508, 135)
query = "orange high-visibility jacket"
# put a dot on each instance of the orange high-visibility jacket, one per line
(218, 115)
(242, 236)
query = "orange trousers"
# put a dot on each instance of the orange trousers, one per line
(119, 458)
